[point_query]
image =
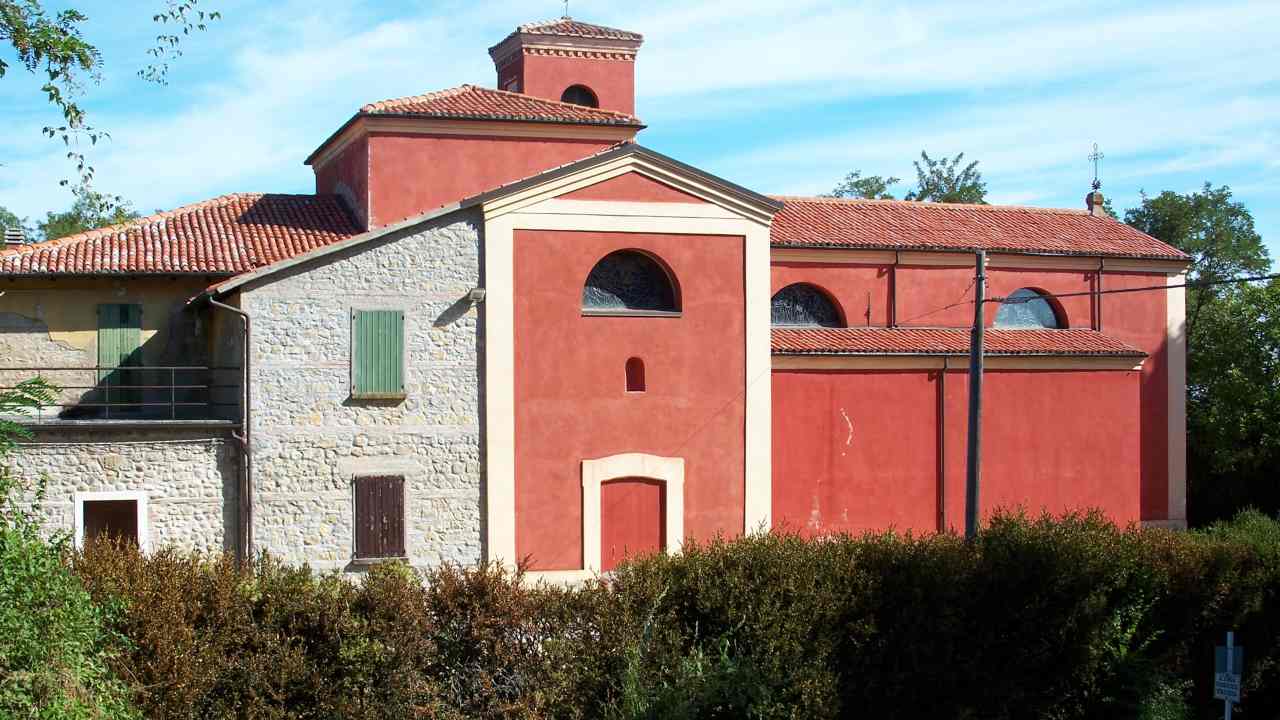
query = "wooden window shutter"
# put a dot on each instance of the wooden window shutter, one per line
(377, 354)
(119, 345)
(379, 521)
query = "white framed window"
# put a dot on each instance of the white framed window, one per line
(115, 513)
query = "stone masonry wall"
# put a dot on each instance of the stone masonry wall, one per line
(310, 439)
(188, 475)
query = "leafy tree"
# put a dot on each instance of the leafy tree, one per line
(9, 220)
(50, 44)
(871, 187)
(1215, 230)
(1233, 350)
(945, 181)
(1233, 404)
(91, 210)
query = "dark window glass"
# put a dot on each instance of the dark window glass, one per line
(629, 280)
(580, 95)
(1026, 309)
(635, 375)
(111, 520)
(379, 521)
(804, 305)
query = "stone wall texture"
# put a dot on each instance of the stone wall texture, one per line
(311, 439)
(188, 476)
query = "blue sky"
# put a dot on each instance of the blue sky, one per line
(783, 97)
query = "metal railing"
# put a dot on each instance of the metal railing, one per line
(136, 392)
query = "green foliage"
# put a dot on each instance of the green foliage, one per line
(871, 187)
(1049, 618)
(9, 220)
(91, 210)
(51, 44)
(1215, 230)
(944, 181)
(1233, 351)
(185, 18)
(55, 646)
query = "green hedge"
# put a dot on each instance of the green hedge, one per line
(1048, 618)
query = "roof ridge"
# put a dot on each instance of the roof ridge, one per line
(930, 204)
(109, 230)
(465, 87)
(432, 95)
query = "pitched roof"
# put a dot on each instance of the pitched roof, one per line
(567, 26)
(902, 225)
(945, 341)
(472, 102)
(227, 235)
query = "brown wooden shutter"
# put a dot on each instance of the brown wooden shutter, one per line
(379, 521)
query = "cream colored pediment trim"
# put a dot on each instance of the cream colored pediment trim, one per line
(592, 175)
(667, 470)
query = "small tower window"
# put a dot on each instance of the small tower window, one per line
(635, 375)
(580, 95)
(1027, 309)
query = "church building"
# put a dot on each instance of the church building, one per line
(504, 329)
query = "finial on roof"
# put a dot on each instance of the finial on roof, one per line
(1094, 201)
(1096, 156)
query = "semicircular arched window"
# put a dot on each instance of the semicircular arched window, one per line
(1027, 309)
(580, 95)
(629, 281)
(803, 305)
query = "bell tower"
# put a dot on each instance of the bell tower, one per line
(572, 62)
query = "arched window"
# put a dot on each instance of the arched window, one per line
(635, 375)
(802, 304)
(629, 281)
(1027, 309)
(580, 95)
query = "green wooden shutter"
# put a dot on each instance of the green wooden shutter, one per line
(119, 345)
(377, 354)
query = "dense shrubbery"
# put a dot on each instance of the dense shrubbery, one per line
(1068, 618)
(55, 641)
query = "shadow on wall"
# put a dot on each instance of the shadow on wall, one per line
(165, 377)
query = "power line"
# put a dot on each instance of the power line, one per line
(1197, 284)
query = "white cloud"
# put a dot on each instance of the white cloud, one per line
(803, 91)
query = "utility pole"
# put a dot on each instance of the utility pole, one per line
(973, 464)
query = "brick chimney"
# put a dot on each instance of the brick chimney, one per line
(1093, 201)
(13, 237)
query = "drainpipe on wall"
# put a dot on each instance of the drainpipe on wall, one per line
(245, 514)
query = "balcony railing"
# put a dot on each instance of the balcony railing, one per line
(136, 392)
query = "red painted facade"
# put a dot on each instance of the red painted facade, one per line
(869, 450)
(570, 389)
(547, 76)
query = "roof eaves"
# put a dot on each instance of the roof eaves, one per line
(637, 124)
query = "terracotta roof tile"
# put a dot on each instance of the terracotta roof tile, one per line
(471, 102)
(227, 235)
(945, 341)
(567, 26)
(902, 225)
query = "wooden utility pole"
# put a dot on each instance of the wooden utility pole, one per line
(973, 470)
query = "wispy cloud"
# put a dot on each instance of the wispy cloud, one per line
(784, 97)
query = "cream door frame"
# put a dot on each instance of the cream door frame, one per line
(668, 470)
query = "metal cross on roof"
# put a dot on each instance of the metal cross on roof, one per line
(1096, 156)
